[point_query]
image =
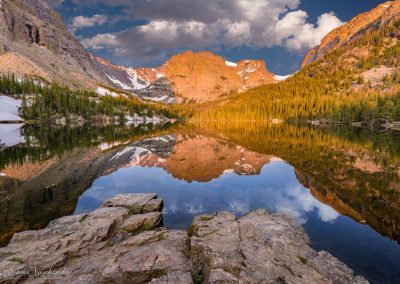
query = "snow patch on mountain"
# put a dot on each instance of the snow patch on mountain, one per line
(158, 99)
(231, 64)
(135, 154)
(137, 83)
(104, 92)
(117, 82)
(9, 109)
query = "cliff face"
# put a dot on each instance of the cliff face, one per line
(205, 76)
(188, 76)
(345, 33)
(34, 37)
(201, 76)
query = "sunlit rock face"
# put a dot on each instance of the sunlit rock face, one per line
(190, 158)
(205, 76)
(189, 76)
(361, 23)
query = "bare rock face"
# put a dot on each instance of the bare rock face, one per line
(151, 257)
(100, 247)
(158, 91)
(38, 37)
(121, 242)
(205, 76)
(139, 222)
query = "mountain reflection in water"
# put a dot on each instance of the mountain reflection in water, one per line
(342, 185)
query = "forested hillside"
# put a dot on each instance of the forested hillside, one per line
(41, 101)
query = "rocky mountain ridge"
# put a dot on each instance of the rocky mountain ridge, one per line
(35, 41)
(189, 76)
(359, 24)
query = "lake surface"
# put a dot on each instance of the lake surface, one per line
(342, 185)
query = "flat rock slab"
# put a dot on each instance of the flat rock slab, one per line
(136, 202)
(114, 245)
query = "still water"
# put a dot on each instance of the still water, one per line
(341, 185)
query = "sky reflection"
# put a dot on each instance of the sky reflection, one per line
(275, 189)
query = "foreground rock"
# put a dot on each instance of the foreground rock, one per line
(122, 242)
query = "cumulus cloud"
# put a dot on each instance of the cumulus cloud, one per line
(175, 25)
(294, 32)
(80, 22)
(101, 41)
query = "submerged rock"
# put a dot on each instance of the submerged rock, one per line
(122, 242)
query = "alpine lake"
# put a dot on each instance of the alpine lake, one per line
(341, 184)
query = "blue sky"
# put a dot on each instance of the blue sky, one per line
(148, 32)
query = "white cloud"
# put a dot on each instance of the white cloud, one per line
(176, 25)
(80, 22)
(293, 31)
(238, 34)
(101, 41)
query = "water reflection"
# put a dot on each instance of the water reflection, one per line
(45, 172)
(342, 185)
(275, 188)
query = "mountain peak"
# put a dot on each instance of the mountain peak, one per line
(197, 76)
(202, 76)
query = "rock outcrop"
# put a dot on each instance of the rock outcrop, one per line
(345, 33)
(122, 242)
(158, 91)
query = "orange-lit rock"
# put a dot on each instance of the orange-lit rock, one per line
(341, 35)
